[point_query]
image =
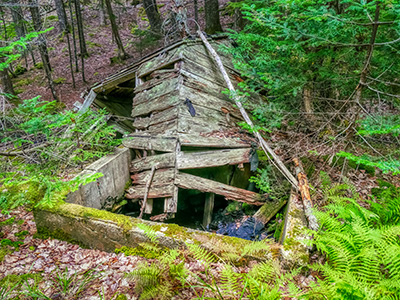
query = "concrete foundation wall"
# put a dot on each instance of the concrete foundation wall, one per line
(115, 170)
(106, 231)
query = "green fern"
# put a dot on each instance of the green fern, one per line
(201, 254)
(149, 232)
(230, 282)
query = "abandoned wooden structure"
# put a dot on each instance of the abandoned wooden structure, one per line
(181, 125)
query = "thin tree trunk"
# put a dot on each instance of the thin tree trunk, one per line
(150, 6)
(102, 13)
(62, 16)
(37, 24)
(213, 24)
(79, 22)
(73, 36)
(70, 60)
(196, 12)
(121, 51)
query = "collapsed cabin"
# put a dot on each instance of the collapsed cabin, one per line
(183, 129)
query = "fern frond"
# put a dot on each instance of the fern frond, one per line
(149, 232)
(230, 282)
(145, 275)
(267, 272)
(201, 254)
(259, 247)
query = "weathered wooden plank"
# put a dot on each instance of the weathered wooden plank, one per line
(156, 81)
(161, 177)
(192, 182)
(169, 128)
(161, 61)
(137, 191)
(208, 209)
(156, 118)
(149, 142)
(158, 104)
(156, 91)
(148, 208)
(207, 159)
(166, 160)
(191, 140)
(195, 125)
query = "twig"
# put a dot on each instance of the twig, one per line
(276, 160)
(148, 184)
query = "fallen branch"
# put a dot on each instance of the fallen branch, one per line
(148, 184)
(22, 152)
(305, 195)
(275, 159)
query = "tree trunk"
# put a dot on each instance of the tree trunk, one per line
(73, 36)
(82, 43)
(79, 22)
(70, 60)
(121, 51)
(17, 17)
(153, 15)
(196, 12)
(62, 16)
(211, 8)
(6, 80)
(102, 13)
(37, 24)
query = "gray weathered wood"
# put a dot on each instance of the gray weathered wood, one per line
(156, 118)
(138, 191)
(150, 142)
(208, 209)
(158, 104)
(162, 160)
(146, 192)
(148, 208)
(156, 91)
(190, 140)
(192, 182)
(161, 177)
(156, 81)
(207, 159)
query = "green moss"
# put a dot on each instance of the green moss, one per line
(19, 91)
(146, 250)
(44, 233)
(7, 222)
(22, 82)
(92, 44)
(59, 80)
(52, 18)
(121, 297)
(21, 234)
(3, 252)
(68, 209)
(19, 70)
(32, 248)
(39, 65)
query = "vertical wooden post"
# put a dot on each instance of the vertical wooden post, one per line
(208, 209)
(148, 208)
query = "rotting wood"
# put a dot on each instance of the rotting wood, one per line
(305, 195)
(207, 159)
(156, 118)
(148, 184)
(166, 160)
(162, 191)
(167, 128)
(192, 125)
(269, 210)
(148, 85)
(160, 177)
(192, 182)
(160, 62)
(190, 140)
(150, 142)
(156, 91)
(208, 209)
(268, 151)
(148, 209)
(158, 104)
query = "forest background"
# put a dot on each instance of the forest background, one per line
(328, 71)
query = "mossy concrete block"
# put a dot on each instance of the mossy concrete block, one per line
(106, 231)
(294, 251)
(115, 170)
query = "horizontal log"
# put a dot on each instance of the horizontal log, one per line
(269, 210)
(162, 191)
(191, 140)
(156, 81)
(160, 177)
(206, 159)
(192, 182)
(156, 118)
(161, 160)
(161, 62)
(150, 142)
(156, 91)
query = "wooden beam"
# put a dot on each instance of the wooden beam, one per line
(161, 177)
(191, 140)
(148, 208)
(206, 159)
(192, 182)
(269, 210)
(150, 142)
(208, 209)
(138, 191)
(162, 160)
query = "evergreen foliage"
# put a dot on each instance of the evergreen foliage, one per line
(40, 143)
